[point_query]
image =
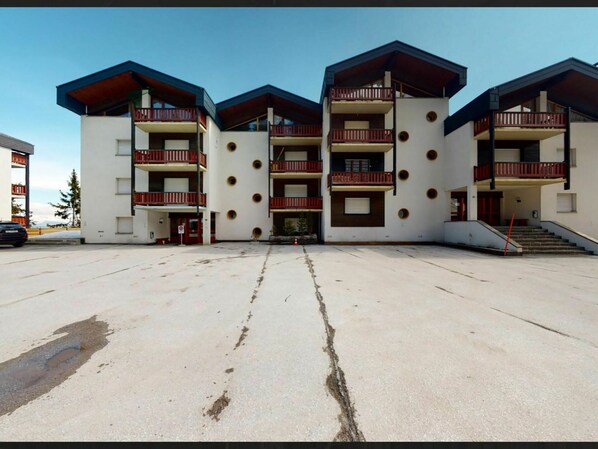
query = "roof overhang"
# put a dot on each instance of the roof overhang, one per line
(15, 144)
(423, 71)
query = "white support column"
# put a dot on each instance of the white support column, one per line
(543, 101)
(472, 202)
(271, 115)
(146, 101)
(206, 224)
(387, 79)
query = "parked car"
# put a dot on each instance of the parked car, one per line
(12, 234)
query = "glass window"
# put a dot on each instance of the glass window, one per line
(357, 206)
(123, 147)
(124, 225)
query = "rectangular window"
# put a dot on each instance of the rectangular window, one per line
(124, 225)
(357, 124)
(176, 144)
(357, 165)
(295, 190)
(123, 186)
(123, 147)
(295, 155)
(507, 155)
(357, 206)
(572, 154)
(566, 202)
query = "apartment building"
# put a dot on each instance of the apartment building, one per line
(377, 159)
(14, 179)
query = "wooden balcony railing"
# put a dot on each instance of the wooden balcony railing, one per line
(296, 131)
(169, 115)
(19, 159)
(360, 136)
(296, 202)
(169, 156)
(19, 189)
(169, 198)
(296, 166)
(522, 120)
(361, 93)
(521, 170)
(19, 219)
(361, 178)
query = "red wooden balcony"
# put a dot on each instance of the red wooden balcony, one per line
(361, 94)
(360, 136)
(169, 115)
(296, 131)
(294, 203)
(538, 120)
(19, 189)
(169, 157)
(169, 198)
(296, 166)
(19, 159)
(525, 170)
(360, 178)
(19, 219)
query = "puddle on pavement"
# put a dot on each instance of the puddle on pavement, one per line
(40, 369)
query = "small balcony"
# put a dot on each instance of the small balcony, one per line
(360, 181)
(521, 126)
(19, 219)
(521, 173)
(296, 204)
(360, 140)
(295, 169)
(170, 201)
(361, 100)
(169, 160)
(169, 120)
(18, 190)
(19, 160)
(295, 134)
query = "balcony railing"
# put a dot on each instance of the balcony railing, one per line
(295, 131)
(169, 198)
(534, 170)
(360, 136)
(19, 219)
(19, 189)
(522, 120)
(361, 178)
(169, 115)
(361, 93)
(296, 202)
(19, 159)
(169, 157)
(296, 166)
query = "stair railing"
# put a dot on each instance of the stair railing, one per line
(509, 233)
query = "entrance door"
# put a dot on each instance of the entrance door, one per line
(193, 230)
(489, 207)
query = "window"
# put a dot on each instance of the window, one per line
(357, 124)
(357, 206)
(170, 144)
(572, 154)
(357, 165)
(278, 120)
(124, 225)
(123, 186)
(257, 124)
(295, 155)
(161, 104)
(295, 190)
(566, 202)
(123, 147)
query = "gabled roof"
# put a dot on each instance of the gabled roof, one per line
(15, 144)
(570, 82)
(115, 84)
(237, 109)
(415, 65)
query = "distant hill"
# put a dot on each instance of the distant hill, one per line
(48, 223)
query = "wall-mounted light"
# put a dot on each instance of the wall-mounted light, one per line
(518, 199)
(161, 221)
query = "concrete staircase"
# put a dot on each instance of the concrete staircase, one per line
(536, 240)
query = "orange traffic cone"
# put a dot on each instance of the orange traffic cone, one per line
(295, 244)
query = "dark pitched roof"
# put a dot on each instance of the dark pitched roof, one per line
(390, 50)
(571, 82)
(15, 144)
(268, 89)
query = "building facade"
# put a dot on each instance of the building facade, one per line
(14, 179)
(377, 159)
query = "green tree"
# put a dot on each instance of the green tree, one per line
(289, 228)
(17, 209)
(302, 226)
(69, 206)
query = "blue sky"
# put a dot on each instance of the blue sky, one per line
(229, 51)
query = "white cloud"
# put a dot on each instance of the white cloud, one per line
(42, 212)
(49, 175)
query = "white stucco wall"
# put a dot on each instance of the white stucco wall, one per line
(239, 163)
(460, 156)
(584, 182)
(523, 202)
(5, 184)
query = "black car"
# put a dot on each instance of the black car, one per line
(12, 234)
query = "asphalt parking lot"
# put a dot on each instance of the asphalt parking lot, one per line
(255, 342)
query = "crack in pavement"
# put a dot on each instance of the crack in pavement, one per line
(347, 252)
(336, 382)
(440, 266)
(25, 299)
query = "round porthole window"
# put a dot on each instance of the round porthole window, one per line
(231, 146)
(257, 164)
(403, 175)
(432, 155)
(257, 197)
(432, 193)
(231, 214)
(403, 214)
(403, 136)
(431, 116)
(257, 232)
(231, 180)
